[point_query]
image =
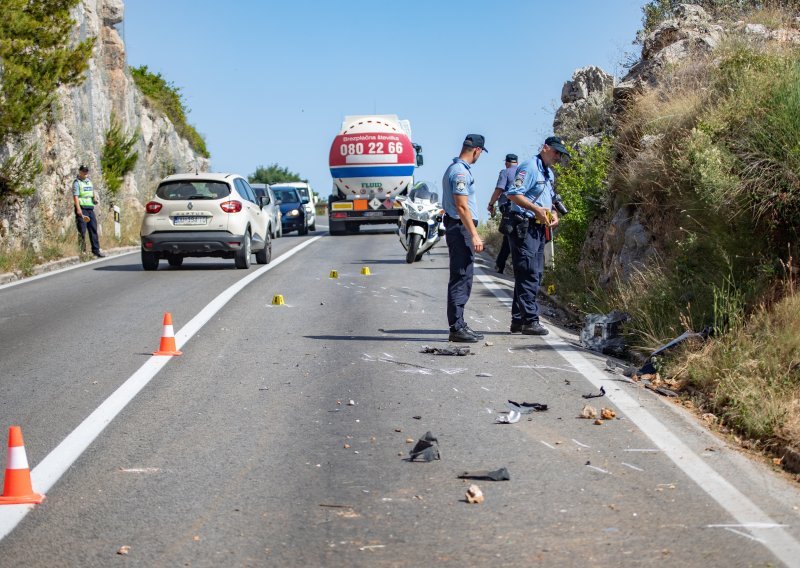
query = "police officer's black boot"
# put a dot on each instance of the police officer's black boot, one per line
(477, 334)
(462, 336)
(533, 328)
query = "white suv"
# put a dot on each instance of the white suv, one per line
(205, 214)
(308, 198)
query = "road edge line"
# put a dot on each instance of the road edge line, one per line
(778, 541)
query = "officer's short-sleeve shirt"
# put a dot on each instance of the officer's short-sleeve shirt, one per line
(458, 180)
(505, 181)
(76, 188)
(531, 182)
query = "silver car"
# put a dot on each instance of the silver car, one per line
(205, 214)
(271, 207)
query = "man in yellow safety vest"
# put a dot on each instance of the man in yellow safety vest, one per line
(85, 199)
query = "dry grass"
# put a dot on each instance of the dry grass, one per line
(490, 236)
(750, 377)
(64, 243)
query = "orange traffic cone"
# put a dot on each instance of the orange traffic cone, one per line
(168, 346)
(17, 488)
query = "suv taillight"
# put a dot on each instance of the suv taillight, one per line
(153, 207)
(231, 206)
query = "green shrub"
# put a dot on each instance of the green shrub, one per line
(119, 157)
(582, 187)
(166, 98)
(18, 171)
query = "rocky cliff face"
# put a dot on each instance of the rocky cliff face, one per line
(77, 132)
(623, 241)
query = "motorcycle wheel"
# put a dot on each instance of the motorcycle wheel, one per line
(413, 245)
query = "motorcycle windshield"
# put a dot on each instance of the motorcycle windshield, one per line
(420, 192)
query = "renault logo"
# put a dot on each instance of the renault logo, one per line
(189, 207)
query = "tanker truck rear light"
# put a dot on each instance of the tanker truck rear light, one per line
(339, 215)
(153, 207)
(231, 206)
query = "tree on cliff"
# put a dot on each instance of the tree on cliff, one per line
(166, 97)
(36, 57)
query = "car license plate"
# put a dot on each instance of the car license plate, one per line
(373, 214)
(190, 220)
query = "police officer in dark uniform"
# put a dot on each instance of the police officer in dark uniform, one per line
(461, 221)
(85, 199)
(533, 210)
(505, 181)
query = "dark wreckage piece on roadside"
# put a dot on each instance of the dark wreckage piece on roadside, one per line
(526, 407)
(485, 475)
(458, 351)
(426, 449)
(649, 367)
(603, 332)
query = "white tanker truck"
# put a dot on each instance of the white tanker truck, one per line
(372, 161)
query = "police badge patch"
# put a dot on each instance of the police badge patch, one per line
(461, 182)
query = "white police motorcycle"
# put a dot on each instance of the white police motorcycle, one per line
(420, 226)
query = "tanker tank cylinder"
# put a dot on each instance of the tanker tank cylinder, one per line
(373, 157)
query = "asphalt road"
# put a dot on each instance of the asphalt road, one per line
(246, 451)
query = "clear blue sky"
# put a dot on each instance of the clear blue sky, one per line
(270, 81)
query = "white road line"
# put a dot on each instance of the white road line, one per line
(783, 545)
(59, 460)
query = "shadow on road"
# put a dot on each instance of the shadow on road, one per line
(165, 267)
(374, 338)
(381, 261)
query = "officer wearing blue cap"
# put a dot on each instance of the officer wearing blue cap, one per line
(532, 206)
(460, 222)
(505, 181)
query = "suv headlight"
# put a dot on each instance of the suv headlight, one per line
(293, 213)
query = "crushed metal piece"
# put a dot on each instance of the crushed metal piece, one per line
(426, 448)
(526, 407)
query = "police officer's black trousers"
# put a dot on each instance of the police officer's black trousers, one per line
(462, 256)
(91, 227)
(527, 255)
(502, 256)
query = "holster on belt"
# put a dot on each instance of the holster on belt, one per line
(523, 223)
(513, 222)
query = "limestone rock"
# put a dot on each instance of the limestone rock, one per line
(585, 108)
(77, 135)
(691, 31)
